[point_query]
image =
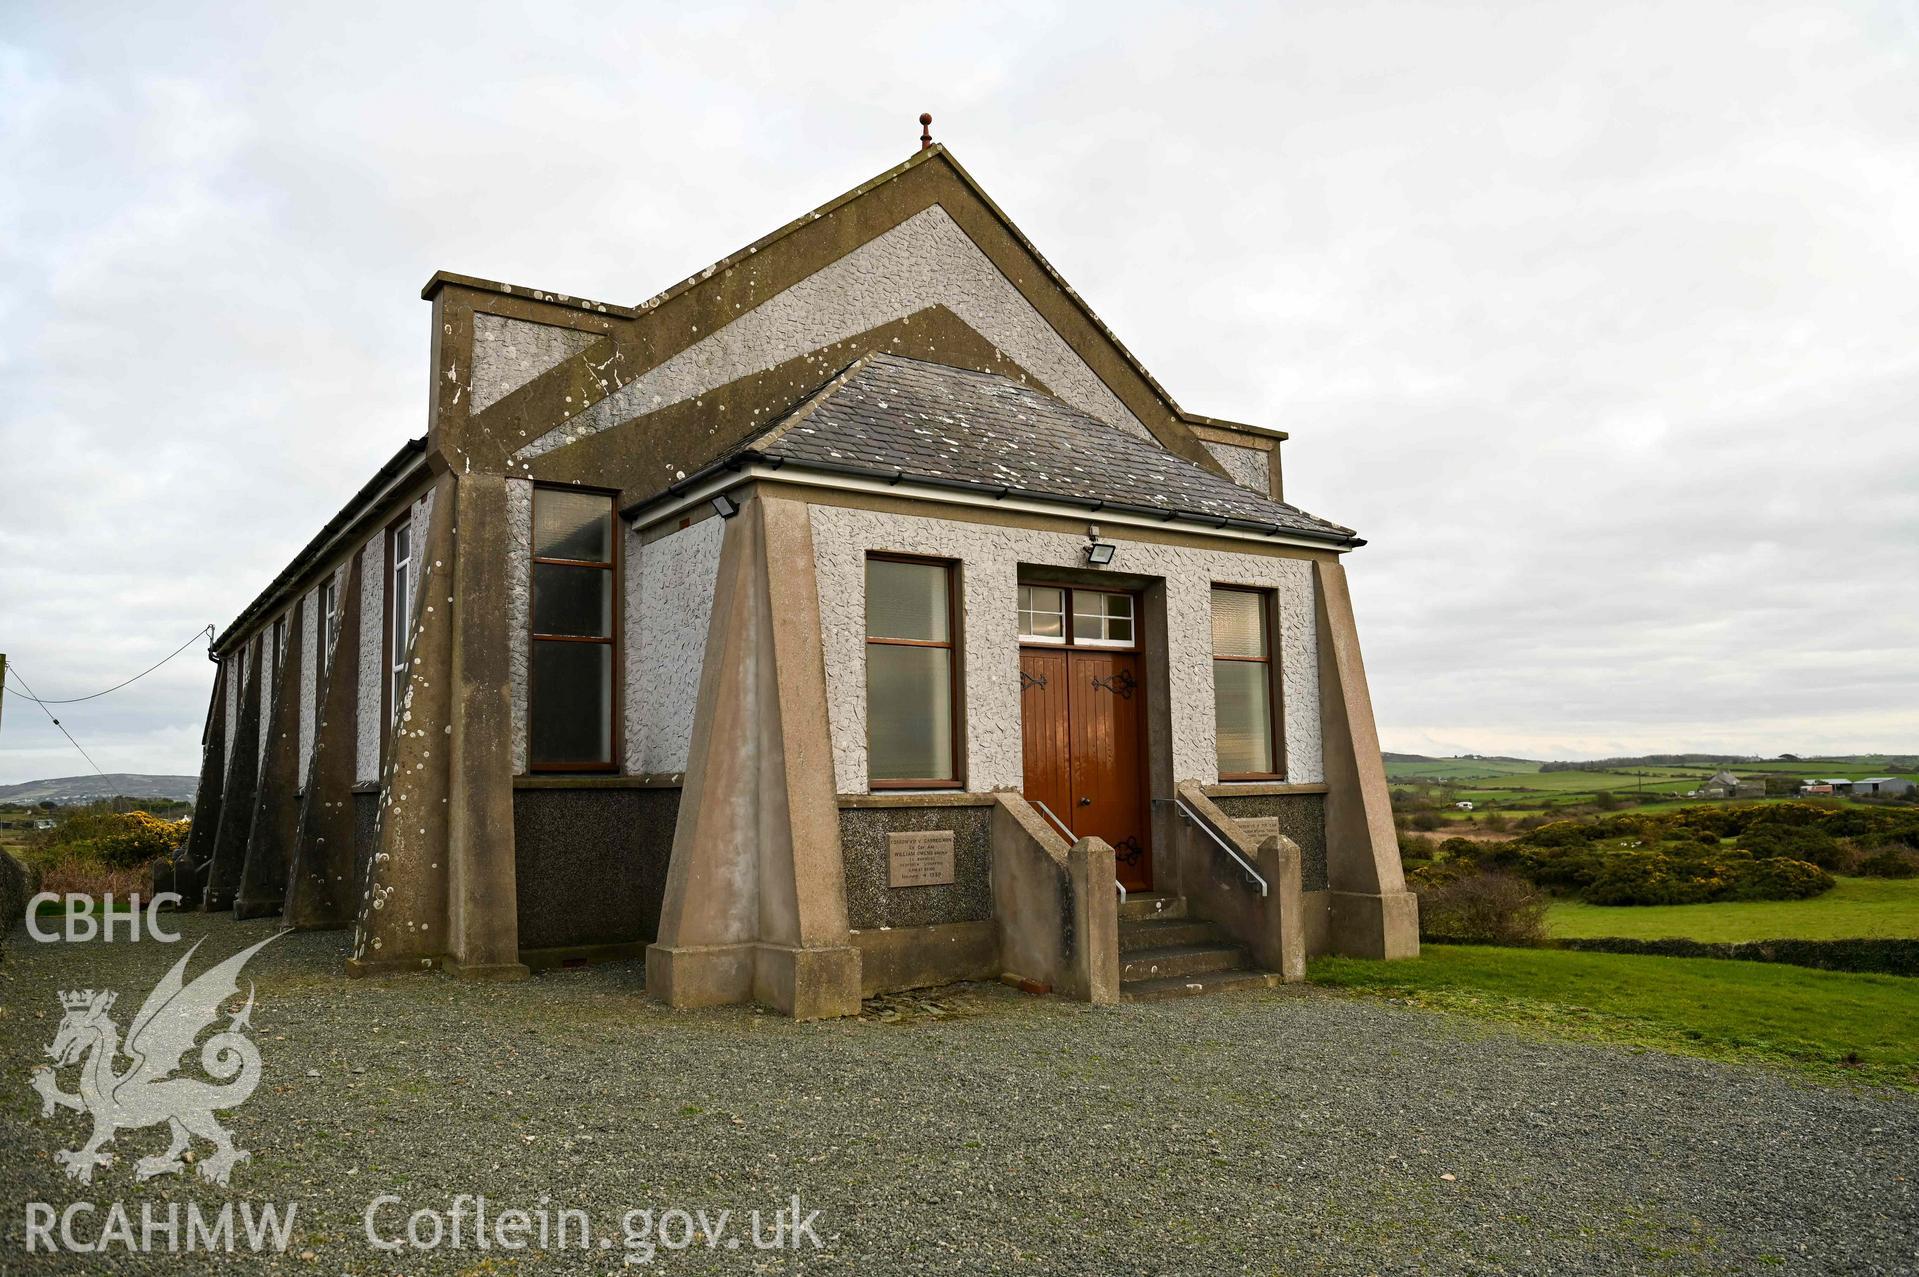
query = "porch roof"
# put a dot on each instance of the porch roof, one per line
(900, 419)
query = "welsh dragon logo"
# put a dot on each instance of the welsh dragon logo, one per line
(145, 1093)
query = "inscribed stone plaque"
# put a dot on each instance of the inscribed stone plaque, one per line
(1259, 828)
(922, 858)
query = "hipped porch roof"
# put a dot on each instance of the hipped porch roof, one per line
(908, 420)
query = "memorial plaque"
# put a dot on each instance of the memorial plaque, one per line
(922, 858)
(1259, 828)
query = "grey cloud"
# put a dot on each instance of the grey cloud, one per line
(1598, 320)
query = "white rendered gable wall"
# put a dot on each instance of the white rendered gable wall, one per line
(925, 261)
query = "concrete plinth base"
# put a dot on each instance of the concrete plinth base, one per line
(807, 984)
(700, 975)
(919, 957)
(1373, 926)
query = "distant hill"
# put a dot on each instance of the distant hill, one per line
(1889, 762)
(88, 789)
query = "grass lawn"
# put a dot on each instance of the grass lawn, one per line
(1832, 1024)
(1858, 908)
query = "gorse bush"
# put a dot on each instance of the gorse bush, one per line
(1795, 842)
(1684, 855)
(1890, 860)
(1659, 878)
(113, 840)
(1492, 908)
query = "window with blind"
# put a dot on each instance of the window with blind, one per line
(911, 720)
(1243, 701)
(571, 687)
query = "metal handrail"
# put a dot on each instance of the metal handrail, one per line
(1224, 846)
(1059, 824)
(1071, 838)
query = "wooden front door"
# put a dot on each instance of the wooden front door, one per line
(1082, 724)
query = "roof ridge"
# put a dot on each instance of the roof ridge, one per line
(804, 408)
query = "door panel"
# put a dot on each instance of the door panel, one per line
(1043, 729)
(1107, 782)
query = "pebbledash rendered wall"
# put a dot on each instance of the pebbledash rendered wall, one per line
(669, 604)
(990, 557)
(1249, 467)
(927, 260)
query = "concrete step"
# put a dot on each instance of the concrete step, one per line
(1163, 933)
(1180, 959)
(1142, 906)
(1188, 986)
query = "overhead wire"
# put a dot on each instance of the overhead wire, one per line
(13, 671)
(207, 630)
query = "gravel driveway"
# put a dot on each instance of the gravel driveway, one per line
(974, 1130)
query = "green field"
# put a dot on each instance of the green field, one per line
(1858, 908)
(1834, 1025)
(1519, 787)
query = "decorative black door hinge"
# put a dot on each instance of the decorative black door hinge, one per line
(1031, 680)
(1121, 684)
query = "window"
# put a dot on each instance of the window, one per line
(399, 610)
(329, 614)
(911, 724)
(1100, 618)
(1243, 683)
(279, 647)
(1042, 614)
(570, 698)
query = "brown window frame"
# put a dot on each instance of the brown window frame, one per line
(1276, 724)
(615, 743)
(952, 644)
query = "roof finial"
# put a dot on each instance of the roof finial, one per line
(926, 129)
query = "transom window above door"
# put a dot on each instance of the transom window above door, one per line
(1098, 618)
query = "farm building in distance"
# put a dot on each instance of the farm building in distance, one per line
(1869, 786)
(855, 615)
(1723, 784)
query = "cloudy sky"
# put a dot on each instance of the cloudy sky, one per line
(1600, 321)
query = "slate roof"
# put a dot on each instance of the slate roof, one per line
(895, 418)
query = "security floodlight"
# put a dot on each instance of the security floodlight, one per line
(724, 507)
(1100, 553)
